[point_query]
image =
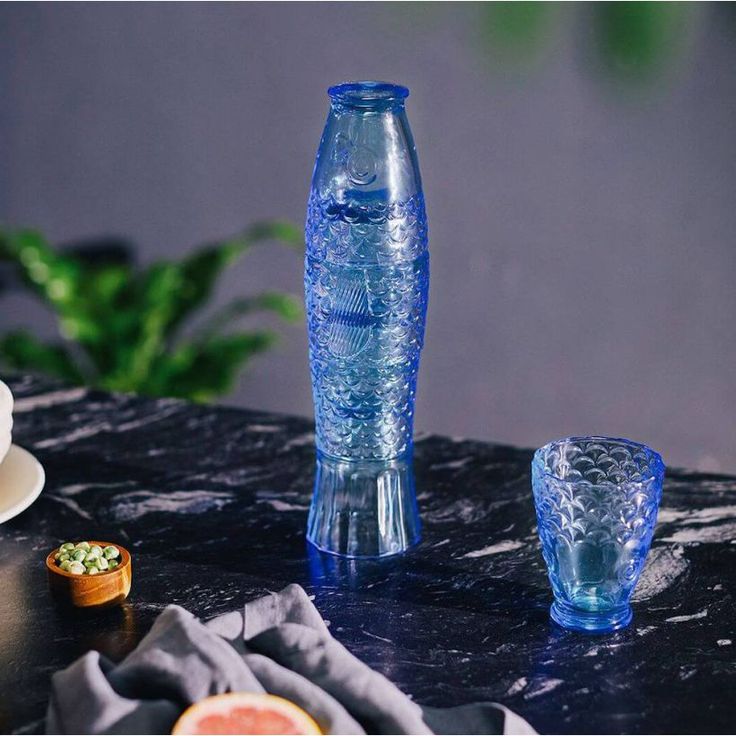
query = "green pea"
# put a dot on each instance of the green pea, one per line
(111, 552)
(81, 558)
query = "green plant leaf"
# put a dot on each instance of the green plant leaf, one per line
(202, 370)
(84, 300)
(200, 270)
(110, 283)
(156, 300)
(636, 38)
(53, 277)
(517, 29)
(281, 230)
(123, 322)
(21, 351)
(286, 306)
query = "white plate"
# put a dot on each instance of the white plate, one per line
(6, 420)
(21, 480)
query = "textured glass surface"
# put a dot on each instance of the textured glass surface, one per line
(366, 284)
(596, 500)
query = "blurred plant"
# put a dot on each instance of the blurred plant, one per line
(637, 38)
(633, 39)
(516, 29)
(122, 327)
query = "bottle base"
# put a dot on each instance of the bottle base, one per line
(590, 621)
(363, 508)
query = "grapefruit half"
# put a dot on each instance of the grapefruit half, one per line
(245, 713)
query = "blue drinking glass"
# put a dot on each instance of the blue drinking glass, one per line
(596, 500)
(366, 285)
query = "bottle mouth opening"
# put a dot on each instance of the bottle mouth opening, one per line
(368, 95)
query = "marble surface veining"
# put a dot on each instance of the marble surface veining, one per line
(212, 502)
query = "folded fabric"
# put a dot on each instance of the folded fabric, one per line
(281, 645)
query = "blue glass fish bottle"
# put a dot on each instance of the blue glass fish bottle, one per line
(366, 283)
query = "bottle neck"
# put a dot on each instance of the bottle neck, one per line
(374, 107)
(366, 98)
(367, 153)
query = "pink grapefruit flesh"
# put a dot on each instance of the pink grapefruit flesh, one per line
(245, 713)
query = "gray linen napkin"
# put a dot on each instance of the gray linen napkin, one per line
(279, 644)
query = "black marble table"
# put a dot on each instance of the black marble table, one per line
(212, 503)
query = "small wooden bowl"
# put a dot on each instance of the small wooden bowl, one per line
(108, 588)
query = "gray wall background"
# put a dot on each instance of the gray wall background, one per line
(582, 236)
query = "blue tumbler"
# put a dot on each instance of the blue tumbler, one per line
(366, 284)
(597, 500)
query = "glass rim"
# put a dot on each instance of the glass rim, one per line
(655, 472)
(368, 93)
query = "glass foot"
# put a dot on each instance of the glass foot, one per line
(592, 621)
(363, 508)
